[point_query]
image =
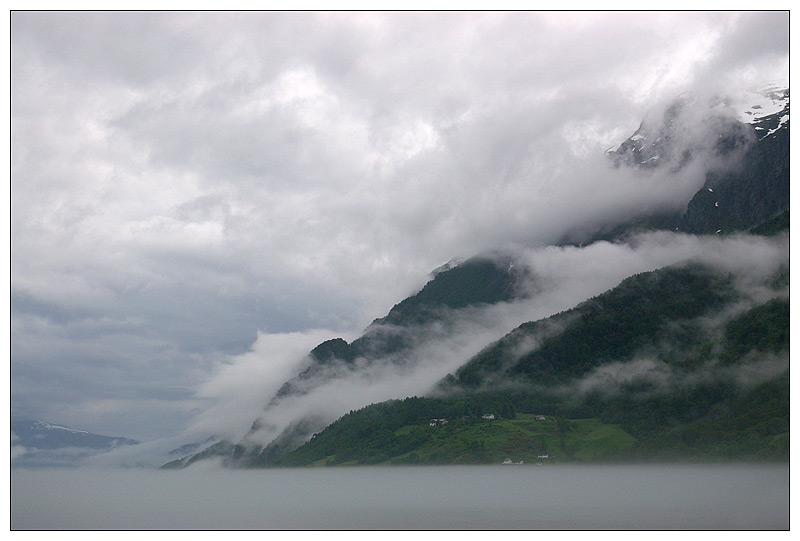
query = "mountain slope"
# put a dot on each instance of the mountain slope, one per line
(395, 342)
(670, 322)
(674, 319)
(478, 281)
(639, 313)
(747, 183)
(684, 380)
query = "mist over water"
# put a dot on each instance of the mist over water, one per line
(665, 497)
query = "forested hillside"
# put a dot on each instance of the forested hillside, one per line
(693, 388)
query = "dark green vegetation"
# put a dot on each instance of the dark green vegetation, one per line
(715, 420)
(642, 312)
(470, 439)
(476, 281)
(689, 411)
(765, 328)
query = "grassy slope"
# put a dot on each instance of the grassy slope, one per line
(520, 439)
(716, 420)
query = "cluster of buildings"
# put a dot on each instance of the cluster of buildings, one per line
(485, 416)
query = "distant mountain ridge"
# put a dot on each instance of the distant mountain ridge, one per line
(36, 434)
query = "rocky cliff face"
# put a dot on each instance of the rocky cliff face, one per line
(755, 191)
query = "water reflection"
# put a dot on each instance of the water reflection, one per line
(729, 497)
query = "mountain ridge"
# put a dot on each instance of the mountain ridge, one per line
(40, 443)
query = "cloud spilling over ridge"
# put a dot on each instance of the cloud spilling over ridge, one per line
(184, 181)
(238, 388)
(563, 276)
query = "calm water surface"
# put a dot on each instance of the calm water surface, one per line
(457, 497)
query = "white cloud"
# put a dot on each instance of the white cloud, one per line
(238, 389)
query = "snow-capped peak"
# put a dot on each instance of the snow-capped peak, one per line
(42, 425)
(689, 125)
(754, 104)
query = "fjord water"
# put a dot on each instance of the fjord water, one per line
(517, 497)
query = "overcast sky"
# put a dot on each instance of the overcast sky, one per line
(183, 184)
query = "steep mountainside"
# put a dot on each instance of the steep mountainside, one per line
(634, 373)
(477, 281)
(652, 335)
(745, 197)
(681, 318)
(748, 183)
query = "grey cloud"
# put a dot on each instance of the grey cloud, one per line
(104, 47)
(750, 43)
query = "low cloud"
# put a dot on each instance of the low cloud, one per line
(238, 389)
(610, 378)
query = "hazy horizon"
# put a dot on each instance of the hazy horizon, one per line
(666, 497)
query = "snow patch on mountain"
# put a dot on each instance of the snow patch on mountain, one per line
(692, 125)
(755, 104)
(42, 425)
(453, 263)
